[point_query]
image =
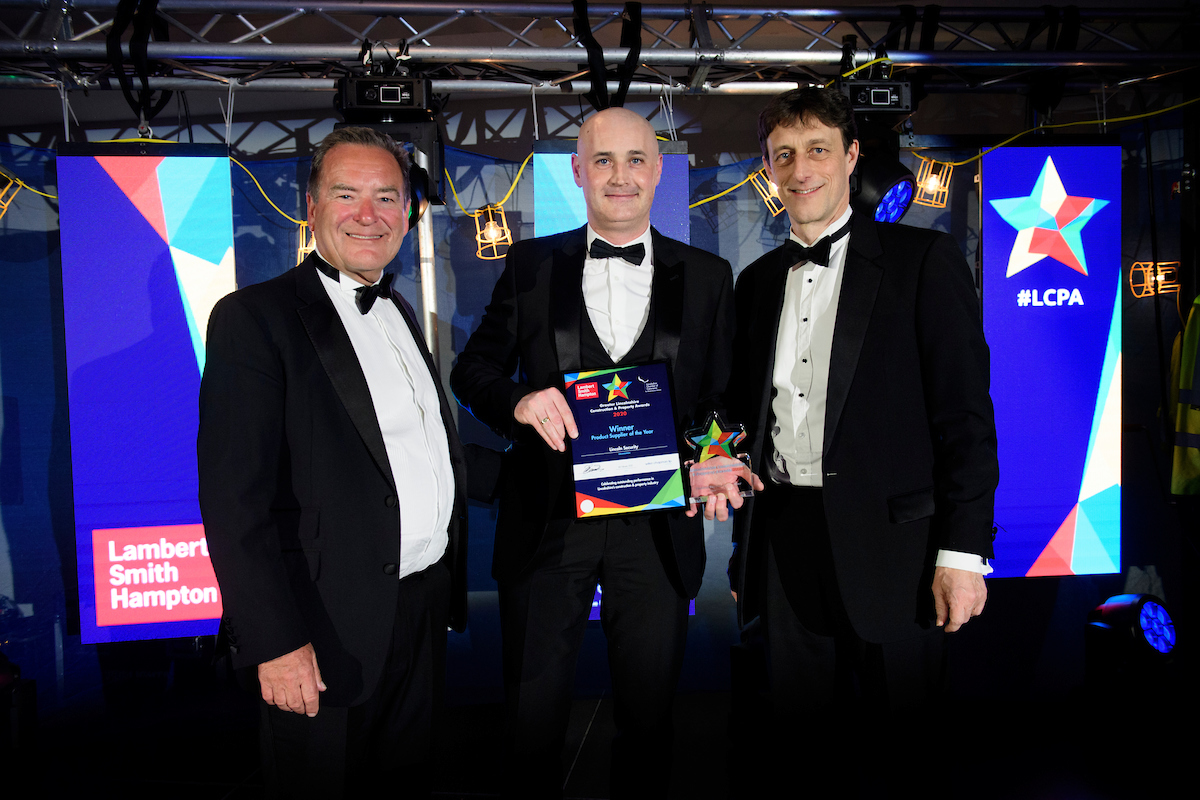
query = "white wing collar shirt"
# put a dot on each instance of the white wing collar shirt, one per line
(409, 414)
(803, 347)
(617, 295)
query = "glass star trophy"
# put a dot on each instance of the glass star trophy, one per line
(716, 462)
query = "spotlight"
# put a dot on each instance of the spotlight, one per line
(1128, 634)
(885, 188)
(491, 232)
(933, 182)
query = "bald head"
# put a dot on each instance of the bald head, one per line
(603, 124)
(617, 166)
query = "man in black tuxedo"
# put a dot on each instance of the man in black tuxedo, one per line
(333, 491)
(613, 293)
(864, 386)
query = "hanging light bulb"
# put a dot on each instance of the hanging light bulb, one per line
(933, 183)
(491, 232)
(768, 191)
(1147, 278)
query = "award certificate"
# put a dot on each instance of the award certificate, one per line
(626, 458)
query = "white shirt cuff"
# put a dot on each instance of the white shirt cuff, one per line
(956, 559)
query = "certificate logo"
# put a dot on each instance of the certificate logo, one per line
(587, 391)
(618, 388)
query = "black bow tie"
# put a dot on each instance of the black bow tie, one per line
(634, 254)
(796, 253)
(365, 296)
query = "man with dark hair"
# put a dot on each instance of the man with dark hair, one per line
(333, 490)
(614, 293)
(864, 385)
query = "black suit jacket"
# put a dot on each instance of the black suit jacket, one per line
(910, 442)
(532, 328)
(298, 500)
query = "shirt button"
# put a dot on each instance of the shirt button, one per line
(803, 472)
(805, 319)
(802, 394)
(804, 361)
(810, 280)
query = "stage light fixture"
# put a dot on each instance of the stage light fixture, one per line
(885, 188)
(933, 183)
(768, 191)
(1140, 622)
(491, 232)
(1147, 278)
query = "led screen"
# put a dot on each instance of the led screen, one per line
(147, 250)
(558, 203)
(1051, 291)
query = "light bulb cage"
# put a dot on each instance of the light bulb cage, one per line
(490, 240)
(767, 191)
(933, 183)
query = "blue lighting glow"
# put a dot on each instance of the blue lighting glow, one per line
(895, 202)
(1157, 627)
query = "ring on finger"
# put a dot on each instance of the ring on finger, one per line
(545, 420)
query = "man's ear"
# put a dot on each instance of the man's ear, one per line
(576, 169)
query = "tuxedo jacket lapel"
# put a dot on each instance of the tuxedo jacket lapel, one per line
(337, 356)
(860, 285)
(769, 295)
(666, 298)
(566, 300)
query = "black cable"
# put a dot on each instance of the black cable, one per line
(1164, 372)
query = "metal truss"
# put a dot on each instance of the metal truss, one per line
(523, 48)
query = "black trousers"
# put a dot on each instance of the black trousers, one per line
(543, 618)
(840, 706)
(386, 742)
(815, 658)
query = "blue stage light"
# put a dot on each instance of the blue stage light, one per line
(895, 202)
(882, 188)
(1157, 627)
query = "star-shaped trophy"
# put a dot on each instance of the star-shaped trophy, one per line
(716, 462)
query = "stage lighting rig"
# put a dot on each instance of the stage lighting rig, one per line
(881, 186)
(868, 96)
(387, 98)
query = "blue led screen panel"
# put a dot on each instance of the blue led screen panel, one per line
(147, 250)
(1051, 292)
(558, 203)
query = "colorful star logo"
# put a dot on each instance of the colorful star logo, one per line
(1049, 223)
(715, 440)
(617, 388)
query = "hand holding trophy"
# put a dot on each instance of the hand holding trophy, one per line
(717, 474)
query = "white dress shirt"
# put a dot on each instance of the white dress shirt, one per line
(803, 347)
(409, 414)
(617, 295)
